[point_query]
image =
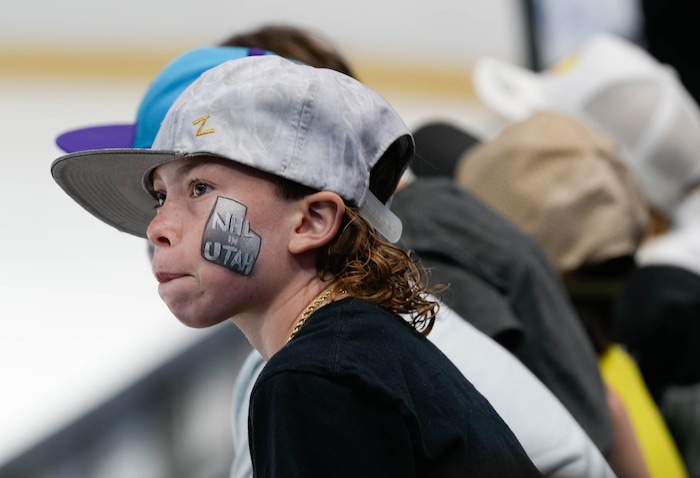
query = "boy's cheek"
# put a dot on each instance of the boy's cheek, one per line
(227, 239)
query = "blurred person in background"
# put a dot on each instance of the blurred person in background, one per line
(565, 184)
(644, 107)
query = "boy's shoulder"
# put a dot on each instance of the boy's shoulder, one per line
(345, 337)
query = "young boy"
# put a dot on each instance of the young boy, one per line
(264, 197)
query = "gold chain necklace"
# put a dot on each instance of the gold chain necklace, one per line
(315, 304)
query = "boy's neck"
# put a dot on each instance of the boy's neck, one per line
(269, 330)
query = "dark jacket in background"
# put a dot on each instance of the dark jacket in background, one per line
(501, 281)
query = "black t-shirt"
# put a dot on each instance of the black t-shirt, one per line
(359, 393)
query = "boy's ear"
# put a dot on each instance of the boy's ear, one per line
(321, 217)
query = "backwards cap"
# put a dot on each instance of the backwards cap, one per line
(313, 126)
(620, 89)
(162, 92)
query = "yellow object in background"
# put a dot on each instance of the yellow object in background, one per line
(620, 372)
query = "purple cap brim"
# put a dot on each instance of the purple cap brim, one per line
(97, 137)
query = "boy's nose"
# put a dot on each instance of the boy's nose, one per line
(163, 229)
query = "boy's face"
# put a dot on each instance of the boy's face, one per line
(219, 235)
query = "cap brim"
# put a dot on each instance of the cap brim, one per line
(509, 90)
(97, 137)
(108, 184)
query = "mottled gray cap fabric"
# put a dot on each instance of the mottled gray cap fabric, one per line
(314, 126)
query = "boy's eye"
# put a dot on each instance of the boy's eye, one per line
(199, 189)
(159, 197)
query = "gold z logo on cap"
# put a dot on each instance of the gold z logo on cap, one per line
(201, 122)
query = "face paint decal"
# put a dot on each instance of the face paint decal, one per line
(227, 239)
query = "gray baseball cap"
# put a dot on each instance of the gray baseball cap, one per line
(313, 126)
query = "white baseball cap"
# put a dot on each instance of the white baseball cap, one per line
(313, 126)
(620, 89)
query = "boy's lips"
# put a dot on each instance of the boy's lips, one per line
(163, 277)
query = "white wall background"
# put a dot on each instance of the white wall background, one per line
(445, 29)
(79, 313)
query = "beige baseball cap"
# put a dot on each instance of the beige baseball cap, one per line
(563, 183)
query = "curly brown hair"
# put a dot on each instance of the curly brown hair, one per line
(366, 265)
(371, 268)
